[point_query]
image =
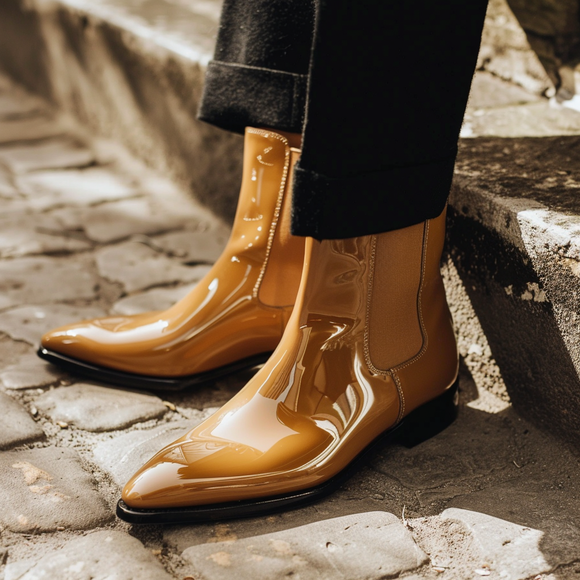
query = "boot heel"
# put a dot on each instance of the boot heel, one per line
(429, 419)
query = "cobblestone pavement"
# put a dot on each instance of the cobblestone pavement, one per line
(85, 230)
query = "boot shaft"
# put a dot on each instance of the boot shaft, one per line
(386, 291)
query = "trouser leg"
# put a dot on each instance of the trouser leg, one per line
(259, 72)
(379, 95)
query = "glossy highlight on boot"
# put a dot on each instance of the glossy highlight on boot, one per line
(300, 424)
(233, 319)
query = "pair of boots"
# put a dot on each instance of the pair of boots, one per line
(362, 343)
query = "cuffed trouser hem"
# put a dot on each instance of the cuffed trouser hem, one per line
(369, 203)
(236, 96)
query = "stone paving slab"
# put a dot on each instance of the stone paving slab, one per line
(540, 119)
(467, 544)
(35, 128)
(44, 489)
(53, 154)
(73, 187)
(115, 221)
(29, 280)
(7, 189)
(24, 234)
(29, 372)
(94, 408)
(16, 425)
(29, 323)
(137, 267)
(124, 454)
(373, 546)
(104, 555)
(512, 550)
(489, 91)
(13, 106)
(550, 505)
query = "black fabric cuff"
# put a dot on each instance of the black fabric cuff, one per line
(237, 96)
(369, 203)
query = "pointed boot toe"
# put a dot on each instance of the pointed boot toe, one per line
(368, 355)
(233, 319)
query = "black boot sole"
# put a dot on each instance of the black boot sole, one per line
(420, 425)
(125, 379)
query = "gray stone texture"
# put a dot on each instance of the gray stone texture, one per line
(17, 104)
(137, 267)
(548, 505)
(115, 221)
(514, 197)
(95, 408)
(73, 187)
(491, 92)
(16, 425)
(22, 234)
(467, 544)
(44, 489)
(506, 52)
(29, 323)
(35, 128)
(506, 549)
(540, 119)
(7, 189)
(104, 555)
(28, 372)
(30, 280)
(373, 545)
(52, 154)
(142, 90)
(122, 455)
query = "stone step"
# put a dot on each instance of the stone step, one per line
(514, 244)
(131, 72)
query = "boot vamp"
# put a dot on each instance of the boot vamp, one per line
(152, 344)
(217, 323)
(305, 416)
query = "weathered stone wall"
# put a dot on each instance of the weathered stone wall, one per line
(535, 43)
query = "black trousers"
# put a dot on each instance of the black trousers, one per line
(377, 88)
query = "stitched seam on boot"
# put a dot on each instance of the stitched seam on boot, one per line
(420, 306)
(401, 395)
(366, 342)
(277, 209)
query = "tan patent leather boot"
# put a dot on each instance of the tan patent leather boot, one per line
(369, 346)
(233, 319)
